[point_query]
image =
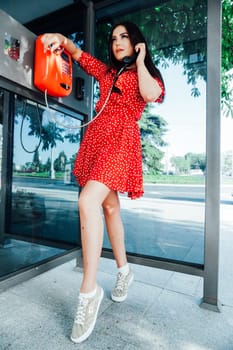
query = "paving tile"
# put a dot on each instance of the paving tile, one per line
(183, 283)
(161, 312)
(183, 324)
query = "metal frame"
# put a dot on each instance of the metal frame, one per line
(159, 263)
(31, 272)
(213, 126)
(89, 46)
(4, 172)
(39, 98)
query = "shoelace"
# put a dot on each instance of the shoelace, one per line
(120, 283)
(81, 310)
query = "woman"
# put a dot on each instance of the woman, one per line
(109, 159)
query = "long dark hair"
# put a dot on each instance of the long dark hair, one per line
(135, 37)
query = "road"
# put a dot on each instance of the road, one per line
(194, 193)
(168, 221)
(168, 191)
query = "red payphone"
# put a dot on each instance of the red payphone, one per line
(52, 70)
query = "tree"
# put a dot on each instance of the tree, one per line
(176, 31)
(60, 162)
(47, 165)
(46, 129)
(227, 163)
(152, 128)
(196, 160)
(50, 134)
(36, 161)
(181, 165)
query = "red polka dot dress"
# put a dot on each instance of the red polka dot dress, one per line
(110, 151)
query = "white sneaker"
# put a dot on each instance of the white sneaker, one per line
(86, 316)
(120, 290)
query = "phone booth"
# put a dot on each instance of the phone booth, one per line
(174, 226)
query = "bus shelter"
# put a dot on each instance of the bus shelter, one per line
(172, 227)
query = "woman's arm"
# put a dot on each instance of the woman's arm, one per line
(148, 86)
(52, 41)
(87, 62)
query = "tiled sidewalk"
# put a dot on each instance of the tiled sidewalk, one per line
(162, 312)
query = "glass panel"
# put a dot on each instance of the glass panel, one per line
(168, 222)
(1, 146)
(1, 135)
(43, 221)
(1, 171)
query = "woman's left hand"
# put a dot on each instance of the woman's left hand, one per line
(141, 49)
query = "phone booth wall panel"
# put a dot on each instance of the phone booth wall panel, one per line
(17, 51)
(37, 209)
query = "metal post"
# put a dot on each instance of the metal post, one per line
(4, 170)
(212, 215)
(89, 46)
(89, 36)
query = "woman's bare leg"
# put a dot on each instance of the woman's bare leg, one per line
(91, 198)
(114, 225)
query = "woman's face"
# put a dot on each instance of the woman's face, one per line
(121, 45)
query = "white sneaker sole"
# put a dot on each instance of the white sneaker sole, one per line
(120, 299)
(90, 330)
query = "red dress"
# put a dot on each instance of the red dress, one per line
(110, 151)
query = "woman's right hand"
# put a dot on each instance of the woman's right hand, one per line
(53, 41)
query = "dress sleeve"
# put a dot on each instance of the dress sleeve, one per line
(92, 65)
(161, 96)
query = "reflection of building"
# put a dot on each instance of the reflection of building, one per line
(68, 176)
(169, 168)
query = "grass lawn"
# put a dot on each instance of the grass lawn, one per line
(156, 179)
(174, 179)
(182, 180)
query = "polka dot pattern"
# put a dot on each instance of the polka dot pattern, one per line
(110, 151)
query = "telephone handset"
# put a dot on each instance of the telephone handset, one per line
(53, 70)
(128, 60)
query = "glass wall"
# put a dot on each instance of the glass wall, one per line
(1, 146)
(1, 134)
(168, 222)
(39, 220)
(42, 218)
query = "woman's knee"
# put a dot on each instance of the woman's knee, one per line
(92, 196)
(83, 203)
(111, 208)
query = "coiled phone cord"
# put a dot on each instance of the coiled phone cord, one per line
(96, 116)
(21, 128)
